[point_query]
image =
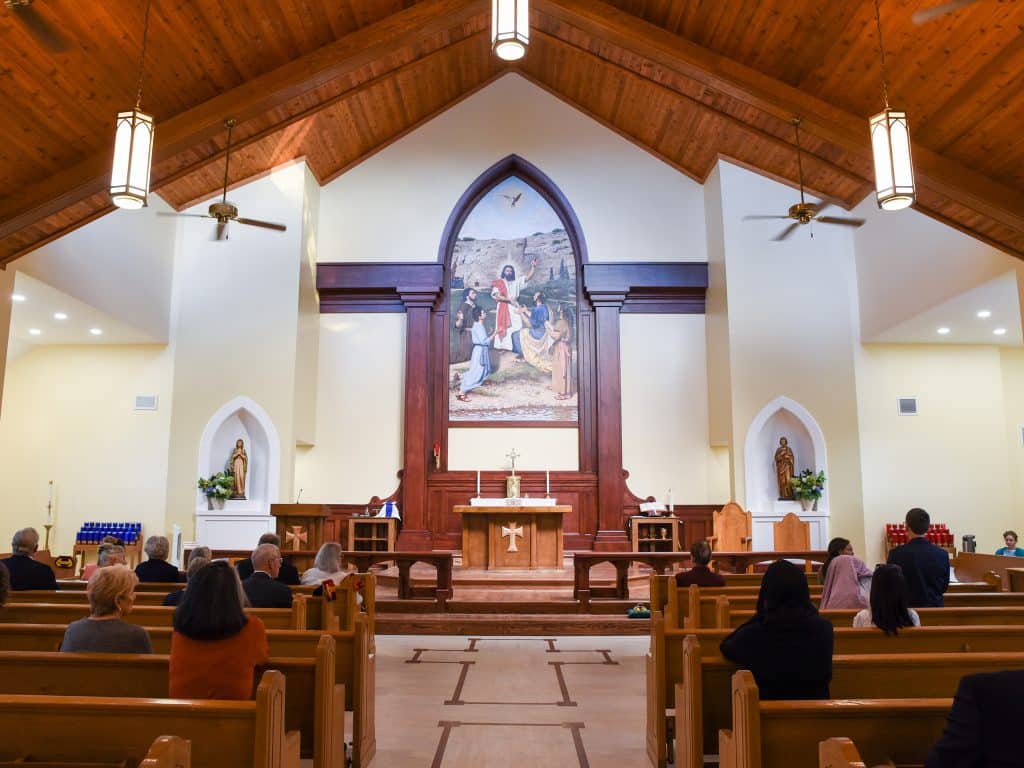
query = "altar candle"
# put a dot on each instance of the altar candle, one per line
(49, 503)
(670, 508)
(547, 483)
(478, 483)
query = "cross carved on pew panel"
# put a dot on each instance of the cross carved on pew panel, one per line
(512, 530)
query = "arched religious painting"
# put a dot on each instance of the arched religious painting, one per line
(513, 288)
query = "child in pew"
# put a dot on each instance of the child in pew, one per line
(215, 646)
(890, 607)
(786, 645)
(111, 593)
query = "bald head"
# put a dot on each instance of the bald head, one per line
(267, 557)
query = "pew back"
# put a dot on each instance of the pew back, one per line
(145, 615)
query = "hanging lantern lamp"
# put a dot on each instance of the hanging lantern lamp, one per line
(510, 28)
(133, 145)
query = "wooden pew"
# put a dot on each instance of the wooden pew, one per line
(314, 704)
(339, 614)
(786, 733)
(838, 752)
(930, 617)
(703, 703)
(145, 615)
(165, 752)
(664, 662)
(224, 734)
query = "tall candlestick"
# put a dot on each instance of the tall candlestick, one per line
(49, 503)
(670, 507)
(547, 483)
(478, 483)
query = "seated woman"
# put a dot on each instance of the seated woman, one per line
(838, 546)
(109, 553)
(1011, 549)
(889, 603)
(215, 646)
(156, 568)
(842, 585)
(326, 566)
(111, 593)
(786, 644)
(194, 564)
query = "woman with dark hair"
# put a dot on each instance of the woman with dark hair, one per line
(215, 646)
(890, 608)
(838, 546)
(787, 645)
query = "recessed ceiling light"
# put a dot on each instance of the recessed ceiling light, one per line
(96, 331)
(34, 331)
(60, 316)
(943, 330)
(983, 313)
(17, 297)
(999, 331)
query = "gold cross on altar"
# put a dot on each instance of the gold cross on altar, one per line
(512, 530)
(513, 455)
(295, 535)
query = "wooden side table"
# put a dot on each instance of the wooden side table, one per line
(655, 534)
(372, 534)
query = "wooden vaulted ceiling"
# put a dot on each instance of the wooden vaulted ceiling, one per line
(336, 80)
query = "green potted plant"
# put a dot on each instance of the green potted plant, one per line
(808, 487)
(216, 488)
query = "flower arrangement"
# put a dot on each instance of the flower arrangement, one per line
(809, 485)
(218, 486)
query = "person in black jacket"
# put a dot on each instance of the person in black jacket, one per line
(25, 572)
(156, 568)
(979, 730)
(925, 566)
(194, 564)
(289, 573)
(261, 588)
(787, 645)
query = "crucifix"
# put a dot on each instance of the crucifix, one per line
(513, 456)
(512, 530)
(512, 483)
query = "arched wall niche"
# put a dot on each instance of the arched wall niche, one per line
(783, 417)
(240, 522)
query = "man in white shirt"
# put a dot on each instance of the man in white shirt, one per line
(505, 291)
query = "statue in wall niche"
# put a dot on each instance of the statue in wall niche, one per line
(239, 464)
(785, 465)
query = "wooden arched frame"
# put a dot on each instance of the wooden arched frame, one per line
(514, 165)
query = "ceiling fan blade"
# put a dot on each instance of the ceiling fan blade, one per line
(786, 232)
(930, 14)
(839, 220)
(754, 218)
(185, 215)
(264, 224)
(43, 31)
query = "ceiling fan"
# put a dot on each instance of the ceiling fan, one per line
(930, 14)
(804, 212)
(223, 211)
(43, 31)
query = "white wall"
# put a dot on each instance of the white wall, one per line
(6, 287)
(360, 395)
(69, 417)
(951, 459)
(631, 206)
(307, 343)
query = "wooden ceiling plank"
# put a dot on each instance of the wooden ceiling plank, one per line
(246, 101)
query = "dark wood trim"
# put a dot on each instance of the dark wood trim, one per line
(650, 287)
(369, 287)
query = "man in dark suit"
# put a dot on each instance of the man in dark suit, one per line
(979, 730)
(261, 588)
(289, 573)
(700, 574)
(25, 572)
(156, 568)
(925, 566)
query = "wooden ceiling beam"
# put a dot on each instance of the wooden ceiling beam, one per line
(409, 27)
(653, 47)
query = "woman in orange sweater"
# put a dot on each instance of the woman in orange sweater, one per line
(215, 647)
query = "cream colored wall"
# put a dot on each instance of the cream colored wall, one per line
(950, 459)
(665, 409)
(234, 328)
(307, 344)
(6, 287)
(792, 331)
(69, 417)
(486, 449)
(719, 382)
(631, 206)
(1012, 364)
(360, 390)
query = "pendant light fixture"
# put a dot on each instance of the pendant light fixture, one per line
(890, 146)
(133, 145)
(510, 28)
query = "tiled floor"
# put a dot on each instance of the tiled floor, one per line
(457, 702)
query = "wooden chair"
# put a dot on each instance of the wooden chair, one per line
(733, 529)
(792, 534)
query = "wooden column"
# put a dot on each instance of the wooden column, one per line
(415, 535)
(611, 534)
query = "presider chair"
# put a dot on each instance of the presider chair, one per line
(732, 529)
(791, 534)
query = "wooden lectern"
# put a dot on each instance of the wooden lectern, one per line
(300, 526)
(512, 536)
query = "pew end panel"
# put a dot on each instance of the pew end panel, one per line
(838, 752)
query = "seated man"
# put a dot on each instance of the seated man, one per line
(194, 564)
(25, 572)
(986, 710)
(156, 568)
(261, 588)
(700, 574)
(925, 566)
(289, 573)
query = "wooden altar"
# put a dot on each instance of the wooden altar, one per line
(512, 536)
